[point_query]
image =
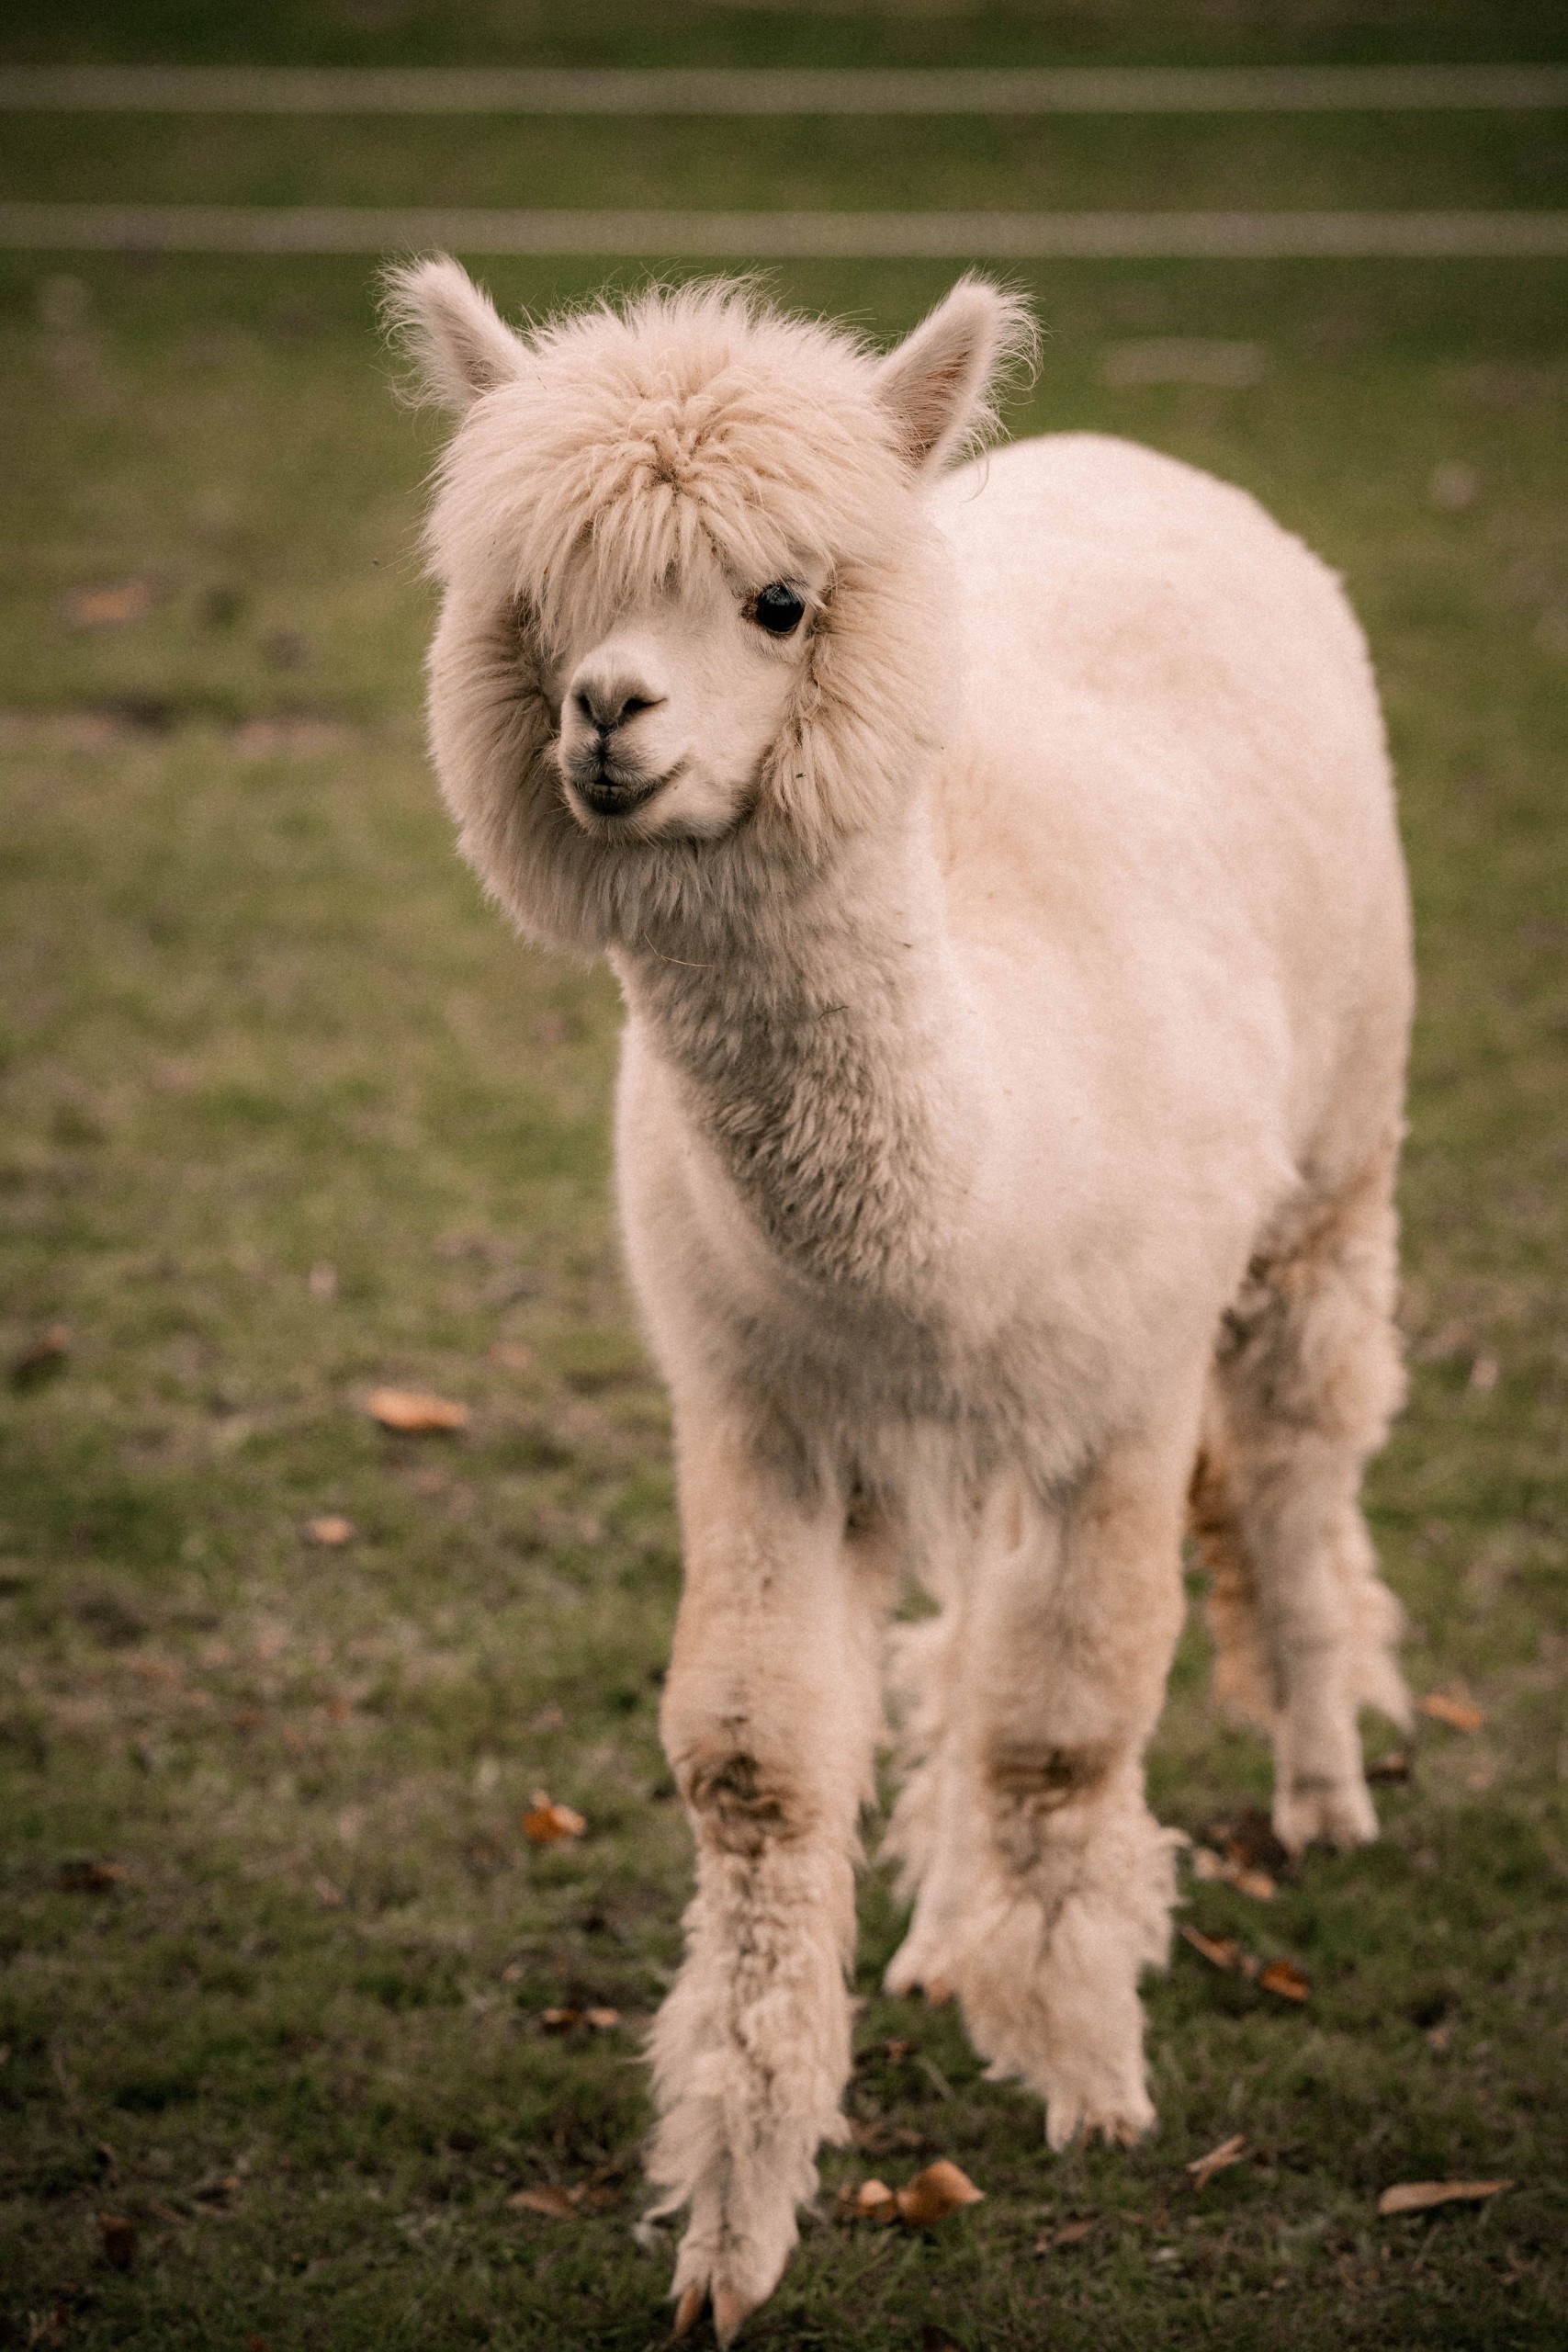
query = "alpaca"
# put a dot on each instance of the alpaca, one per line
(998, 863)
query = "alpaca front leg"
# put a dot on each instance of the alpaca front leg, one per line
(769, 1718)
(1046, 1886)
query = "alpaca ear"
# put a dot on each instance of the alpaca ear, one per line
(938, 382)
(450, 330)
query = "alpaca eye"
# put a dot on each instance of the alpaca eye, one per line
(777, 609)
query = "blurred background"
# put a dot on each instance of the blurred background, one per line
(306, 1979)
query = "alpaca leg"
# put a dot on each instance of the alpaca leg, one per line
(1046, 1885)
(1306, 1379)
(770, 1719)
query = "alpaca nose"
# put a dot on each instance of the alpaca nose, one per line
(605, 704)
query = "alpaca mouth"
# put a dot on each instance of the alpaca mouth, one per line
(607, 796)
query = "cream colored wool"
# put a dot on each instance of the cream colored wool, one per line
(1017, 968)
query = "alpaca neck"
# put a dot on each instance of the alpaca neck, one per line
(819, 1051)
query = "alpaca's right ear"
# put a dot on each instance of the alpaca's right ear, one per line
(460, 345)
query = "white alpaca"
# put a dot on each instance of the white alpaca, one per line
(1000, 869)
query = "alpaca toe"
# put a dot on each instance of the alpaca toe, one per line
(729, 2311)
(690, 2308)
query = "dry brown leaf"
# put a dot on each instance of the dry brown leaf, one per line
(1221, 1951)
(331, 1529)
(414, 1412)
(603, 2020)
(1282, 1977)
(108, 606)
(1229, 2152)
(557, 2204)
(1417, 2196)
(872, 2200)
(117, 2234)
(1393, 1767)
(1444, 1707)
(560, 2020)
(1208, 1865)
(547, 1823)
(935, 2193)
(90, 1878)
(1065, 2234)
(257, 2344)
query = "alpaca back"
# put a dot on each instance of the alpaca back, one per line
(1171, 770)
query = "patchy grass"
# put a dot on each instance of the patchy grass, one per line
(286, 1116)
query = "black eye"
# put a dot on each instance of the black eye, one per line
(777, 609)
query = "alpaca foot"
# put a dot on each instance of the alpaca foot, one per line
(728, 2310)
(1324, 1812)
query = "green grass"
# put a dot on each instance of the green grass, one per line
(255, 1022)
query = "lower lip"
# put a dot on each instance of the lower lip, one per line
(621, 802)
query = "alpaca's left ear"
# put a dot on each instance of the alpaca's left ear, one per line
(459, 345)
(940, 381)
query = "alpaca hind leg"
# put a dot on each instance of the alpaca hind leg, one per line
(1306, 1379)
(1047, 1886)
(770, 1719)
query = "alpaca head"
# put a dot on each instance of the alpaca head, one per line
(695, 626)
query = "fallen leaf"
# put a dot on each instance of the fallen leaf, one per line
(881, 2139)
(935, 2193)
(1221, 1951)
(1065, 2233)
(1208, 1865)
(1438, 2039)
(1417, 2196)
(559, 2020)
(111, 606)
(118, 2236)
(1393, 1767)
(1282, 1977)
(42, 1358)
(1248, 1840)
(413, 1412)
(331, 1529)
(257, 2344)
(90, 1878)
(557, 2204)
(601, 2020)
(547, 1823)
(1229, 2152)
(872, 2200)
(1444, 1707)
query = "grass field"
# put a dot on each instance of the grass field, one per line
(287, 1115)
